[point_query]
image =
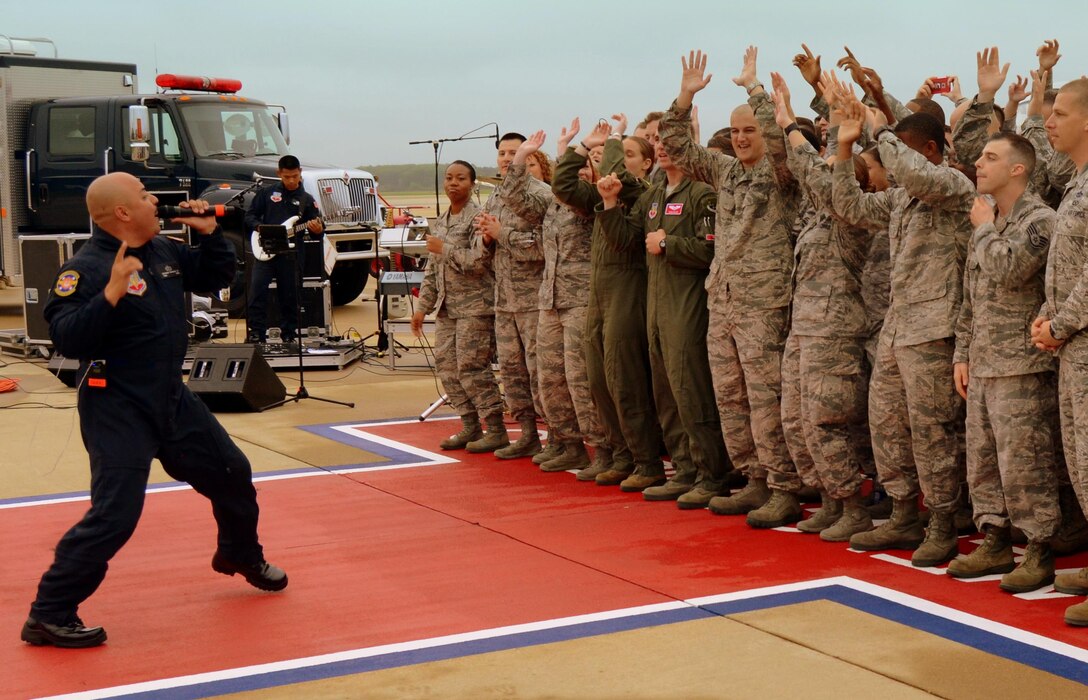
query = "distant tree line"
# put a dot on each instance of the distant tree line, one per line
(415, 177)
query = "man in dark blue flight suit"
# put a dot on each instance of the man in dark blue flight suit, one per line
(118, 306)
(276, 204)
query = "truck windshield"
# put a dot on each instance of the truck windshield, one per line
(233, 129)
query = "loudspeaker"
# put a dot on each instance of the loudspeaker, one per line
(316, 306)
(234, 378)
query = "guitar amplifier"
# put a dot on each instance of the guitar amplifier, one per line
(316, 303)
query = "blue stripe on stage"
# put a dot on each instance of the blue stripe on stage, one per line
(983, 640)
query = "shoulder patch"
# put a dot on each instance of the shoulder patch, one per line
(1036, 237)
(66, 283)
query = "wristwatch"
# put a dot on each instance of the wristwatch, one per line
(752, 86)
(662, 244)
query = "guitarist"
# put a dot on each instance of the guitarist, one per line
(275, 204)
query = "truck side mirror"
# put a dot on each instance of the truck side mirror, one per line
(139, 123)
(284, 125)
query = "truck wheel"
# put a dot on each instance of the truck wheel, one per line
(236, 305)
(347, 281)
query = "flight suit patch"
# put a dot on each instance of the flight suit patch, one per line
(66, 283)
(136, 285)
(653, 211)
(674, 209)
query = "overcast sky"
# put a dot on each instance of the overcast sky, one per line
(361, 78)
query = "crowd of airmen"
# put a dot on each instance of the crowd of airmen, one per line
(871, 303)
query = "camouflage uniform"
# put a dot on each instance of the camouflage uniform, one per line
(519, 266)
(1053, 170)
(748, 289)
(823, 367)
(561, 366)
(912, 399)
(676, 322)
(1010, 451)
(1067, 308)
(616, 347)
(459, 284)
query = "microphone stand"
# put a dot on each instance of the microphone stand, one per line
(302, 393)
(436, 144)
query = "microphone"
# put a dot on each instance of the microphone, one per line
(496, 137)
(166, 211)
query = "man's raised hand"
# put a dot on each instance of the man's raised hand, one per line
(529, 146)
(1018, 91)
(1048, 55)
(621, 123)
(809, 66)
(783, 111)
(120, 275)
(991, 74)
(694, 77)
(748, 70)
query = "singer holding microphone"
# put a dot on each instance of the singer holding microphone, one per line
(118, 307)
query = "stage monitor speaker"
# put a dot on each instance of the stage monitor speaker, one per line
(234, 378)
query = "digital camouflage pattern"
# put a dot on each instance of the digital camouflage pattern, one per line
(913, 405)
(748, 287)
(460, 285)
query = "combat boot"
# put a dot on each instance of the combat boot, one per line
(526, 446)
(752, 496)
(1072, 584)
(495, 438)
(696, 499)
(780, 509)
(1077, 615)
(574, 456)
(902, 530)
(879, 504)
(940, 544)
(824, 517)
(470, 430)
(855, 519)
(602, 462)
(993, 556)
(668, 491)
(553, 449)
(1033, 572)
(640, 482)
(616, 475)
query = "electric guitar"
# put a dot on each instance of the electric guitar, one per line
(292, 229)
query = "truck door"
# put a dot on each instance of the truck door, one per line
(70, 149)
(169, 171)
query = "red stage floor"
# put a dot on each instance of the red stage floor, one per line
(389, 555)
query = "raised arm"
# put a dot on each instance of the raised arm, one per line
(871, 210)
(972, 130)
(695, 160)
(529, 204)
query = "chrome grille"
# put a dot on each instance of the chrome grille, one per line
(355, 201)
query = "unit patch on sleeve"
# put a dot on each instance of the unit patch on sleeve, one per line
(66, 283)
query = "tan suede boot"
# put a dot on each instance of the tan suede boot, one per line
(940, 544)
(903, 530)
(1033, 572)
(993, 556)
(825, 517)
(553, 449)
(495, 438)
(780, 509)
(526, 446)
(470, 430)
(752, 496)
(574, 456)
(855, 519)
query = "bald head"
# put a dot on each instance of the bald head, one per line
(107, 193)
(746, 136)
(1077, 94)
(120, 204)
